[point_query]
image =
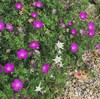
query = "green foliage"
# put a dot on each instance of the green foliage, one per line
(47, 37)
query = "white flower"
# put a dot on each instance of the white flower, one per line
(44, 91)
(59, 51)
(51, 76)
(38, 88)
(61, 65)
(59, 45)
(57, 59)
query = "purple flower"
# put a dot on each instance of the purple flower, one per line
(63, 24)
(9, 27)
(91, 33)
(66, 4)
(91, 26)
(38, 4)
(1, 26)
(74, 31)
(22, 54)
(83, 15)
(38, 24)
(1, 67)
(79, 74)
(34, 45)
(8, 68)
(74, 47)
(34, 14)
(70, 23)
(98, 47)
(17, 85)
(35, 67)
(83, 32)
(19, 5)
(45, 68)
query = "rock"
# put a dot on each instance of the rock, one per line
(91, 10)
(97, 2)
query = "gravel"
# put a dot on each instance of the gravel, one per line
(89, 89)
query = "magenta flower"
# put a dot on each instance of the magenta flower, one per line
(8, 68)
(83, 15)
(1, 26)
(79, 74)
(35, 67)
(66, 4)
(91, 33)
(9, 27)
(98, 47)
(34, 14)
(34, 45)
(83, 32)
(22, 54)
(91, 26)
(17, 85)
(38, 24)
(45, 68)
(74, 47)
(19, 5)
(74, 31)
(1, 68)
(70, 23)
(38, 4)
(63, 24)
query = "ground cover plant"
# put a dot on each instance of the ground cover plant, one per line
(39, 42)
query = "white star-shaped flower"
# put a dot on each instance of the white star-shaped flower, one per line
(59, 52)
(57, 59)
(61, 64)
(38, 88)
(59, 45)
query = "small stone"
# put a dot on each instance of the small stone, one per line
(91, 92)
